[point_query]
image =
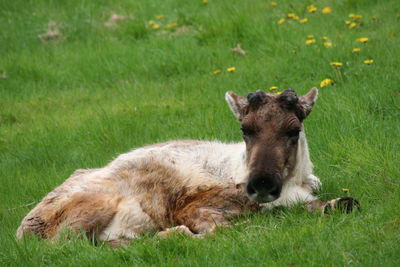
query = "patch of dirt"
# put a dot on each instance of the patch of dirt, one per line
(112, 22)
(53, 33)
(238, 50)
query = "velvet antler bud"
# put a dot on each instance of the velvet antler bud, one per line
(256, 98)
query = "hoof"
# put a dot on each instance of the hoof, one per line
(343, 204)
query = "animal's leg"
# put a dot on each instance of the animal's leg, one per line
(345, 204)
(202, 220)
(88, 212)
(177, 229)
(129, 222)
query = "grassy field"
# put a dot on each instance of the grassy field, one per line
(99, 85)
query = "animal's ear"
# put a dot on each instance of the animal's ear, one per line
(307, 101)
(236, 103)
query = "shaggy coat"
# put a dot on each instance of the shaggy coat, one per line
(187, 186)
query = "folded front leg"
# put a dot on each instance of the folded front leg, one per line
(345, 204)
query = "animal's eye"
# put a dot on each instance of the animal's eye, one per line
(293, 134)
(247, 131)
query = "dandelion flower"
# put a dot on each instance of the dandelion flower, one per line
(311, 41)
(326, 82)
(216, 72)
(311, 9)
(160, 17)
(336, 64)
(151, 22)
(352, 25)
(278, 93)
(355, 16)
(205, 2)
(171, 25)
(302, 21)
(325, 38)
(272, 88)
(362, 40)
(310, 36)
(368, 61)
(347, 22)
(281, 20)
(356, 50)
(328, 44)
(291, 15)
(326, 10)
(231, 69)
(155, 27)
(345, 190)
(273, 3)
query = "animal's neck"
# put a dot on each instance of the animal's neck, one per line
(303, 166)
(239, 164)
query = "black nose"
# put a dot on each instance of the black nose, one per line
(264, 188)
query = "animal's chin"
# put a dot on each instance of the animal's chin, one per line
(262, 198)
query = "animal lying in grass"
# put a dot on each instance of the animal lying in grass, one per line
(192, 186)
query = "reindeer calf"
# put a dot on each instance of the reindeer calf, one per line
(192, 186)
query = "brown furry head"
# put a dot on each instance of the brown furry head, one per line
(271, 126)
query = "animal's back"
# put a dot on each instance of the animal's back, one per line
(138, 190)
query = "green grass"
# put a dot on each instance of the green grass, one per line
(79, 102)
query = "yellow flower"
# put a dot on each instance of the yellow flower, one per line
(355, 16)
(356, 50)
(205, 1)
(345, 190)
(311, 41)
(328, 44)
(151, 22)
(311, 8)
(368, 61)
(231, 69)
(216, 72)
(326, 82)
(291, 15)
(325, 38)
(336, 64)
(272, 88)
(326, 10)
(278, 93)
(310, 36)
(362, 39)
(159, 17)
(171, 25)
(347, 22)
(155, 27)
(305, 20)
(273, 3)
(281, 20)
(352, 25)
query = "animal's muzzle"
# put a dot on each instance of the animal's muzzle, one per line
(265, 188)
